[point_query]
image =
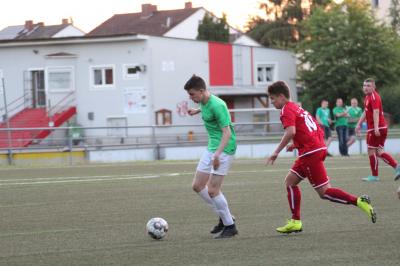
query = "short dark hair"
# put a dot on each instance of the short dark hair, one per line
(195, 82)
(368, 80)
(279, 87)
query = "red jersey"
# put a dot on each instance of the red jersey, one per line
(309, 136)
(373, 101)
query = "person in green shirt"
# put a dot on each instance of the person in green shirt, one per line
(216, 160)
(355, 113)
(323, 116)
(341, 116)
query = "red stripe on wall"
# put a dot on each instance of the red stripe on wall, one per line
(220, 64)
(231, 105)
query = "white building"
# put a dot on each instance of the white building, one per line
(381, 9)
(135, 80)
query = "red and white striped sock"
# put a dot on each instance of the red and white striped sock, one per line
(340, 196)
(373, 162)
(388, 159)
(294, 198)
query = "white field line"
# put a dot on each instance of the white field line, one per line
(79, 179)
(191, 162)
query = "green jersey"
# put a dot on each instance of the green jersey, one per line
(355, 114)
(216, 116)
(324, 114)
(342, 120)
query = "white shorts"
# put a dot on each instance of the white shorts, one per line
(205, 163)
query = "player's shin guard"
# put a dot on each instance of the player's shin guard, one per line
(223, 209)
(373, 162)
(387, 158)
(339, 196)
(294, 198)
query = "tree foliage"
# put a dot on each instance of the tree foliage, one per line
(346, 45)
(211, 30)
(282, 29)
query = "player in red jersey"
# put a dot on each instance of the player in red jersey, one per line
(308, 139)
(376, 131)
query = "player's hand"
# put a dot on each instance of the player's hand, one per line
(193, 111)
(290, 147)
(377, 133)
(216, 162)
(271, 159)
(358, 130)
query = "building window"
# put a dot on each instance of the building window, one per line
(60, 79)
(131, 71)
(163, 117)
(102, 76)
(266, 73)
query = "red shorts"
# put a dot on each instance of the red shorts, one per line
(374, 141)
(312, 167)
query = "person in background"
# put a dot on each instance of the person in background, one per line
(341, 115)
(376, 131)
(323, 116)
(355, 113)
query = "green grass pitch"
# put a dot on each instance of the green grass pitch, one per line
(96, 215)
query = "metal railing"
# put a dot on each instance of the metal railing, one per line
(15, 106)
(143, 136)
(66, 102)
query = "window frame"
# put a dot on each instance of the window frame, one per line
(103, 68)
(274, 66)
(59, 69)
(128, 76)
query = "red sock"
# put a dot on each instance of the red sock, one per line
(340, 196)
(388, 159)
(373, 162)
(294, 198)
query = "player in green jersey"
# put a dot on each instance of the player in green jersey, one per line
(216, 160)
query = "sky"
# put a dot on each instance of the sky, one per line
(87, 14)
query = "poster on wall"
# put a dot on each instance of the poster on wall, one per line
(135, 100)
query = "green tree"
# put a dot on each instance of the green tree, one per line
(345, 45)
(282, 29)
(211, 30)
(394, 13)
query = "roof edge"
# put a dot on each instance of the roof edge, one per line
(74, 39)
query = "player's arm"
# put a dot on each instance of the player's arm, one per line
(376, 122)
(362, 119)
(287, 137)
(341, 114)
(226, 135)
(193, 111)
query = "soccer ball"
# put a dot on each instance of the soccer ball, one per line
(157, 228)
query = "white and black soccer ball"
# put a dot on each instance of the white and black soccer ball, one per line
(157, 228)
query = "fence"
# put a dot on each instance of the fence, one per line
(73, 138)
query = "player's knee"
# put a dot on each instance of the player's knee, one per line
(197, 187)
